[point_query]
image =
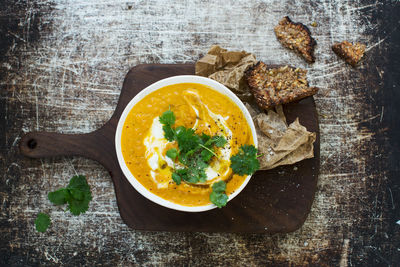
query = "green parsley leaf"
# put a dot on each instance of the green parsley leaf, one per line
(219, 187)
(245, 161)
(172, 153)
(59, 197)
(177, 179)
(218, 196)
(42, 222)
(167, 118)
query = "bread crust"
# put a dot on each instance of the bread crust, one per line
(296, 36)
(272, 86)
(351, 53)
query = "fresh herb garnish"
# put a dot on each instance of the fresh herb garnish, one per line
(176, 176)
(187, 139)
(195, 151)
(172, 153)
(42, 222)
(58, 197)
(218, 196)
(245, 161)
(167, 119)
(219, 140)
(77, 194)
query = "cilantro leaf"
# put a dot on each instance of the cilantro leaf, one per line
(191, 177)
(169, 133)
(172, 153)
(58, 197)
(167, 118)
(219, 187)
(78, 186)
(218, 199)
(77, 194)
(80, 195)
(219, 141)
(79, 206)
(218, 196)
(42, 222)
(206, 155)
(245, 161)
(198, 169)
(187, 139)
(204, 138)
(195, 172)
(177, 179)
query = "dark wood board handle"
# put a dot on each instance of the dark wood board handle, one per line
(97, 145)
(45, 144)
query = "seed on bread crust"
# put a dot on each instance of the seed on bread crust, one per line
(272, 86)
(351, 53)
(296, 36)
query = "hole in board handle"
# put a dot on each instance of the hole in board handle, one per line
(32, 143)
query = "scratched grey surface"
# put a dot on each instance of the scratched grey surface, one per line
(62, 68)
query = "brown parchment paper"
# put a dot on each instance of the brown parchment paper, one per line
(226, 67)
(278, 143)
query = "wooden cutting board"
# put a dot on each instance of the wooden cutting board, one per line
(277, 200)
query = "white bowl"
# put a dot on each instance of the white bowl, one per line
(154, 87)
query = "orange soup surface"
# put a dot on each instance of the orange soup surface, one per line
(195, 106)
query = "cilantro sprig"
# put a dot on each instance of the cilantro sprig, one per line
(245, 161)
(194, 151)
(77, 195)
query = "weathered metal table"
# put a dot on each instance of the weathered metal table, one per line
(62, 66)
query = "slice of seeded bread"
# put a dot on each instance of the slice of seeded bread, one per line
(351, 53)
(296, 36)
(272, 86)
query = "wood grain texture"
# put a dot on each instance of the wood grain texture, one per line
(270, 203)
(62, 67)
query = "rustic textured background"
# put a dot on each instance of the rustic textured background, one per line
(62, 68)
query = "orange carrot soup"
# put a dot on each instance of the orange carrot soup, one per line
(200, 113)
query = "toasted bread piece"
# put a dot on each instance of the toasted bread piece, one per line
(273, 86)
(351, 53)
(296, 36)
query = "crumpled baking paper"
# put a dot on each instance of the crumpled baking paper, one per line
(226, 67)
(278, 143)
